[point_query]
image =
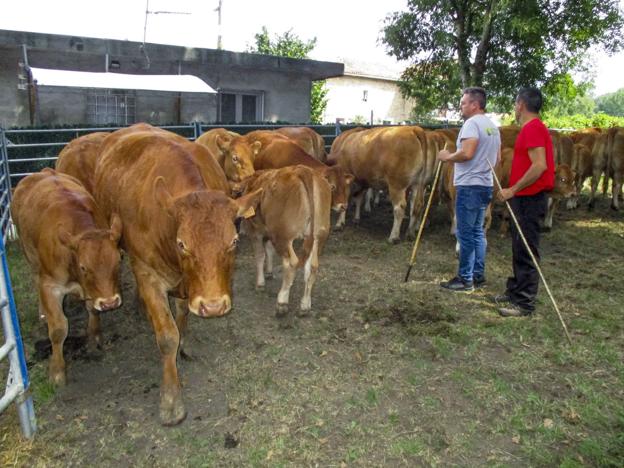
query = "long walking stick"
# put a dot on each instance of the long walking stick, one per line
(422, 223)
(526, 245)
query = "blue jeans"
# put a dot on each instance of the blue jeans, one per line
(470, 205)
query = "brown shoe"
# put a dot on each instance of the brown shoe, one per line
(513, 310)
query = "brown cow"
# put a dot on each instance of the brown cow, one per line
(282, 152)
(71, 250)
(295, 204)
(79, 157)
(615, 163)
(393, 157)
(508, 134)
(179, 233)
(311, 142)
(233, 152)
(600, 165)
(564, 189)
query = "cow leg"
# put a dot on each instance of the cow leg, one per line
(341, 221)
(168, 339)
(377, 197)
(594, 186)
(488, 218)
(94, 331)
(309, 277)
(397, 196)
(617, 187)
(270, 255)
(181, 319)
(417, 203)
(451, 208)
(51, 305)
(260, 255)
(552, 207)
(358, 198)
(367, 202)
(289, 268)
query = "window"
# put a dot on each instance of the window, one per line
(241, 106)
(111, 107)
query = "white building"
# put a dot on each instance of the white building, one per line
(367, 89)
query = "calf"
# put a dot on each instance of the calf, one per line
(80, 156)
(564, 189)
(71, 250)
(295, 204)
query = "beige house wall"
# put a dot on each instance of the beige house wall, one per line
(345, 100)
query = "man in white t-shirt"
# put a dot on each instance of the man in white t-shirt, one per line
(477, 143)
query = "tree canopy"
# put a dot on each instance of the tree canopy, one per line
(498, 44)
(290, 45)
(612, 103)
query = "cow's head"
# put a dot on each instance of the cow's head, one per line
(564, 182)
(96, 260)
(339, 181)
(238, 155)
(205, 243)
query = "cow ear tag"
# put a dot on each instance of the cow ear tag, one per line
(249, 212)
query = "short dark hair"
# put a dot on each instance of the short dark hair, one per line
(532, 98)
(477, 94)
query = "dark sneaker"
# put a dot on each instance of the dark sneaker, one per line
(479, 281)
(502, 299)
(458, 285)
(512, 310)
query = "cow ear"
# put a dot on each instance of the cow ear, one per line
(115, 229)
(162, 195)
(222, 143)
(256, 146)
(247, 204)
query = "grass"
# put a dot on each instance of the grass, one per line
(383, 374)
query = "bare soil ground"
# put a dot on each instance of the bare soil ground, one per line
(382, 373)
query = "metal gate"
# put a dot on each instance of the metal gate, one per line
(17, 383)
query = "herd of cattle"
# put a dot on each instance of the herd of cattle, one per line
(172, 205)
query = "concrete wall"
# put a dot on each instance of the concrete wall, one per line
(284, 83)
(384, 99)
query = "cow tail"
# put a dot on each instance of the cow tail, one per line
(308, 241)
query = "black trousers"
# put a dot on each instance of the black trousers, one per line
(522, 286)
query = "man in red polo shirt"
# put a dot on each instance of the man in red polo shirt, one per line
(532, 175)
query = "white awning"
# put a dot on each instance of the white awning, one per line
(80, 79)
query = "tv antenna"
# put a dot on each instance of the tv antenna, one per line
(154, 12)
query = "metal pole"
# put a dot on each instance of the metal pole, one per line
(422, 223)
(526, 245)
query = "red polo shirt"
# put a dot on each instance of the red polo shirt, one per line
(533, 135)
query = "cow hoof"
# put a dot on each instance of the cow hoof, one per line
(545, 229)
(186, 351)
(268, 275)
(615, 208)
(302, 313)
(356, 222)
(339, 228)
(173, 413)
(58, 378)
(259, 287)
(281, 311)
(394, 241)
(590, 207)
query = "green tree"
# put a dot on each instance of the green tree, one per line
(612, 103)
(565, 97)
(499, 44)
(290, 45)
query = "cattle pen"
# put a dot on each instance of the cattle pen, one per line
(381, 373)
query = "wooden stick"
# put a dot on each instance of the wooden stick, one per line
(526, 244)
(422, 223)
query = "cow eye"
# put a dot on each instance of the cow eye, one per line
(234, 243)
(235, 160)
(83, 268)
(181, 246)
(333, 187)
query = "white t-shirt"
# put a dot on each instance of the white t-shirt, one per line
(477, 171)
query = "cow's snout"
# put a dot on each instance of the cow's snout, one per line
(340, 207)
(211, 308)
(104, 304)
